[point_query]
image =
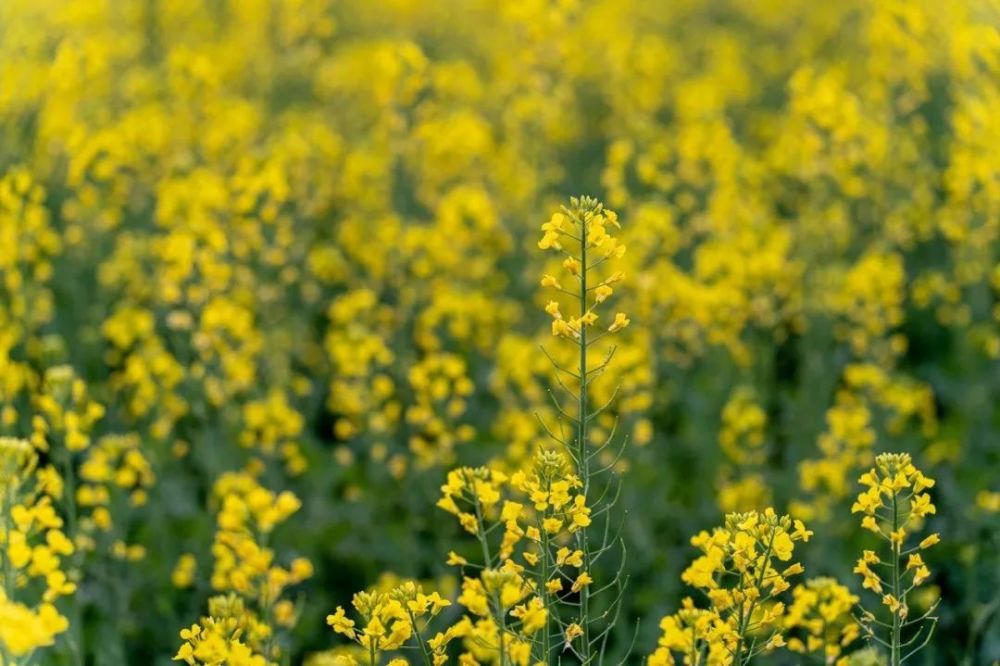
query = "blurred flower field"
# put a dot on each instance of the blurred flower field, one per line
(307, 298)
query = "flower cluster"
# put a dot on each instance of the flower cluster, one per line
(820, 620)
(390, 620)
(247, 515)
(246, 569)
(272, 425)
(472, 495)
(580, 230)
(845, 446)
(441, 387)
(115, 470)
(742, 439)
(527, 581)
(743, 572)
(504, 612)
(65, 411)
(31, 242)
(695, 633)
(554, 494)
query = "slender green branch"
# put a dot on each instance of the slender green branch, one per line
(584, 461)
(894, 655)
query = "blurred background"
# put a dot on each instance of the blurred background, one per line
(301, 235)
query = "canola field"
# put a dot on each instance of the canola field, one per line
(499, 332)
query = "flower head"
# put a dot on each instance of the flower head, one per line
(17, 460)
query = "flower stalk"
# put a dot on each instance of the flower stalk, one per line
(894, 505)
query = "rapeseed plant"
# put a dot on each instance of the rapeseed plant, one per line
(531, 596)
(583, 233)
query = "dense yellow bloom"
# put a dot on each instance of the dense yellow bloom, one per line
(23, 630)
(243, 564)
(820, 620)
(286, 231)
(533, 616)
(478, 491)
(739, 574)
(742, 437)
(579, 230)
(115, 469)
(392, 618)
(892, 475)
(545, 508)
(184, 571)
(701, 636)
(66, 410)
(441, 387)
(231, 634)
(870, 295)
(273, 426)
(17, 461)
(743, 424)
(239, 626)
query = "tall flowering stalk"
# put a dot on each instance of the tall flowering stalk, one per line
(581, 233)
(894, 505)
(530, 597)
(244, 619)
(33, 547)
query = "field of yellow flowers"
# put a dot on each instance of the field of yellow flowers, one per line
(499, 332)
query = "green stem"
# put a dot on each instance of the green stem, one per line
(420, 639)
(543, 591)
(268, 611)
(503, 631)
(582, 416)
(487, 563)
(480, 530)
(69, 476)
(745, 619)
(896, 628)
(265, 601)
(738, 655)
(8, 568)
